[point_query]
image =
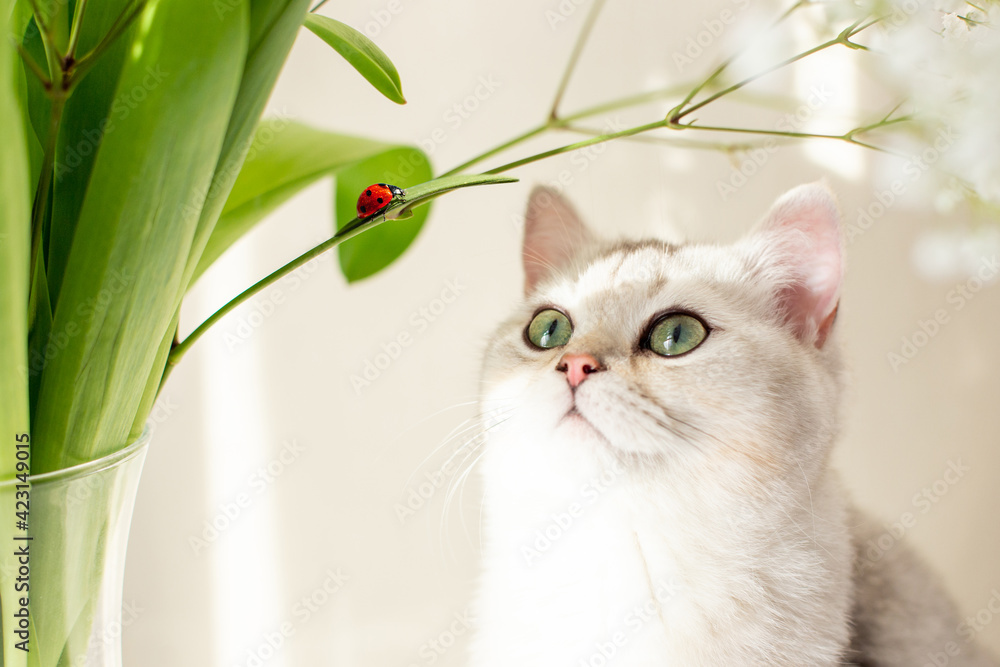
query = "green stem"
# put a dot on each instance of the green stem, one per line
(45, 175)
(626, 102)
(74, 33)
(350, 230)
(604, 107)
(680, 111)
(35, 68)
(672, 121)
(498, 149)
(674, 141)
(848, 137)
(580, 144)
(574, 57)
(717, 72)
(52, 56)
(118, 28)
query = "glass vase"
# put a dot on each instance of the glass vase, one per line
(78, 527)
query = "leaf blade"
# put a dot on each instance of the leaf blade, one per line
(272, 31)
(136, 225)
(369, 253)
(363, 55)
(284, 158)
(15, 246)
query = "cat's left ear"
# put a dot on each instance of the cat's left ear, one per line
(803, 252)
(554, 237)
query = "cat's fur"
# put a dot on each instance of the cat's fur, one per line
(688, 514)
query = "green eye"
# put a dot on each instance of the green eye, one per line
(676, 334)
(549, 328)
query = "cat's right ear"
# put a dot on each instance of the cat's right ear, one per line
(553, 236)
(802, 251)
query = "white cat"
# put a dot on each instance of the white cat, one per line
(657, 479)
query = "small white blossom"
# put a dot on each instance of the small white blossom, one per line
(945, 58)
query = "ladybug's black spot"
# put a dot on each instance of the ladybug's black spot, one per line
(379, 200)
(363, 208)
(368, 192)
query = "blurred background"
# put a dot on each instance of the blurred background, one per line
(303, 444)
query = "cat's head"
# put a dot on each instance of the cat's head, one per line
(661, 356)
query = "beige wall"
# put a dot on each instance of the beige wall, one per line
(234, 407)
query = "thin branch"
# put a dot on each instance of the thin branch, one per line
(39, 21)
(35, 68)
(724, 65)
(118, 28)
(847, 137)
(350, 230)
(581, 41)
(613, 105)
(74, 33)
(680, 112)
(52, 57)
(498, 149)
(45, 178)
(318, 5)
(580, 144)
(673, 142)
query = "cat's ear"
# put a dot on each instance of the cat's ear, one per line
(803, 250)
(553, 236)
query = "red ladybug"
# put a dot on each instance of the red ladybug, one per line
(375, 198)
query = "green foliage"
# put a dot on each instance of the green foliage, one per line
(137, 220)
(361, 53)
(133, 156)
(369, 253)
(284, 158)
(15, 215)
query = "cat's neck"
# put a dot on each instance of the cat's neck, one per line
(596, 542)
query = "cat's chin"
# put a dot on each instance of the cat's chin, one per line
(574, 424)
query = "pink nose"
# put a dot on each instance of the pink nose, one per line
(577, 367)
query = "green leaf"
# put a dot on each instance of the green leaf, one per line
(39, 327)
(154, 381)
(422, 194)
(371, 252)
(15, 223)
(15, 247)
(361, 53)
(94, 111)
(136, 224)
(273, 27)
(285, 157)
(377, 248)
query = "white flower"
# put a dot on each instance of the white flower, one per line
(945, 57)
